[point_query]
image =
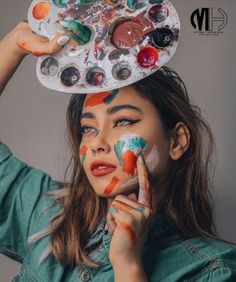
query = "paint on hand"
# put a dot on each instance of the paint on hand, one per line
(127, 149)
(102, 97)
(26, 47)
(110, 187)
(83, 152)
(129, 231)
(41, 10)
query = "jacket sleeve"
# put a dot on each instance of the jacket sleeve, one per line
(220, 274)
(22, 199)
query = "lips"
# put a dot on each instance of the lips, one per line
(100, 168)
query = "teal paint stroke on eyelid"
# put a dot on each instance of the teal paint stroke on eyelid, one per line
(135, 144)
(111, 96)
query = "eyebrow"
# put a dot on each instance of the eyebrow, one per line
(111, 111)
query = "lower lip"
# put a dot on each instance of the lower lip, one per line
(104, 171)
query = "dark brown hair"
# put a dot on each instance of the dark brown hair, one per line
(188, 202)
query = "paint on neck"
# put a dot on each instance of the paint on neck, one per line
(127, 149)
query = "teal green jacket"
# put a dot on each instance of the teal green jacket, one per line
(26, 209)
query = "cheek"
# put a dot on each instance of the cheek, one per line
(127, 150)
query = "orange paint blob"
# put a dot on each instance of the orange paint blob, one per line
(109, 188)
(96, 99)
(83, 150)
(129, 162)
(41, 10)
(128, 230)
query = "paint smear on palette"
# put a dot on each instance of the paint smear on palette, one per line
(83, 152)
(127, 150)
(102, 97)
(110, 187)
(41, 10)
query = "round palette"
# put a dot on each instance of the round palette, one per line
(113, 43)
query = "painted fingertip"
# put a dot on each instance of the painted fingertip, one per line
(140, 159)
(63, 40)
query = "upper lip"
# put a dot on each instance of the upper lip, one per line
(97, 163)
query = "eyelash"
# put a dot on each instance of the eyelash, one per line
(131, 122)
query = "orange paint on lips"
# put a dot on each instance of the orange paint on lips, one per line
(96, 99)
(41, 10)
(110, 187)
(128, 230)
(129, 162)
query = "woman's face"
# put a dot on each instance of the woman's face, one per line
(117, 126)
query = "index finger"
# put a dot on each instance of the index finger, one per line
(145, 193)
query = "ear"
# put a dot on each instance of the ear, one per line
(180, 140)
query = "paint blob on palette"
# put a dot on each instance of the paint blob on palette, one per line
(114, 43)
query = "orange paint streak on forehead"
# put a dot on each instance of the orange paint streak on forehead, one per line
(110, 187)
(96, 99)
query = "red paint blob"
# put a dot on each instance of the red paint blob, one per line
(109, 188)
(147, 57)
(96, 99)
(129, 162)
(41, 10)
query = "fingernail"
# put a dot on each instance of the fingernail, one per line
(62, 40)
(140, 159)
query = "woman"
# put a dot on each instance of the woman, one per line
(138, 206)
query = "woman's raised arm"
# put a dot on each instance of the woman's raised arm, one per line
(22, 41)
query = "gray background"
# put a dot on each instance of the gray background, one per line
(32, 118)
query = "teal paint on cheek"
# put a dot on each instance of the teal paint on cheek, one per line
(118, 147)
(129, 142)
(83, 159)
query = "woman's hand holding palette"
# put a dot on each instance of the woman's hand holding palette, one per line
(113, 42)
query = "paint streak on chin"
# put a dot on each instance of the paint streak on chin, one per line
(110, 187)
(128, 230)
(129, 162)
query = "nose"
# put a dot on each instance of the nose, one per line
(99, 145)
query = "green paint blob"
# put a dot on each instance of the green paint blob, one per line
(81, 34)
(60, 3)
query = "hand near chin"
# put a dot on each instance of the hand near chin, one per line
(128, 222)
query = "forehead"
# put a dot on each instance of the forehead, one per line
(123, 95)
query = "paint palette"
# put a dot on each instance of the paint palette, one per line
(113, 42)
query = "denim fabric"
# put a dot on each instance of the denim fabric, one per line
(168, 255)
